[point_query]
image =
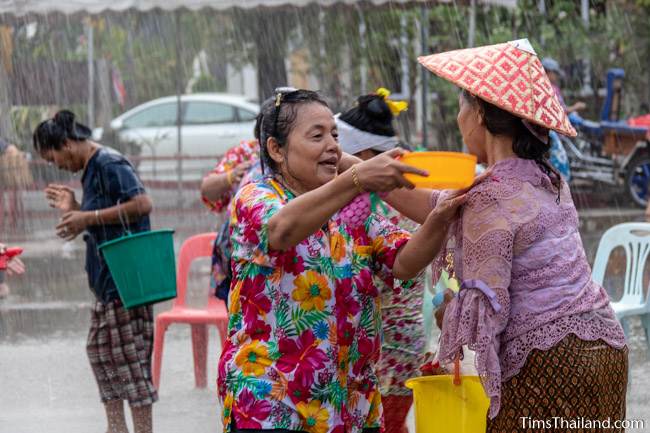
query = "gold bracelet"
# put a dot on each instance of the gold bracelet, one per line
(229, 177)
(97, 217)
(355, 179)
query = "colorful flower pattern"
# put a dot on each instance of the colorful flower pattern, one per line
(305, 324)
(403, 343)
(245, 151)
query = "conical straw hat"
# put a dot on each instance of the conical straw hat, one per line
(508, 75)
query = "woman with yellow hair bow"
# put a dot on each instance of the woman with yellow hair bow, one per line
(396, 107)
(365, 131)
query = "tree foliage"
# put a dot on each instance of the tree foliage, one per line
(142, 46)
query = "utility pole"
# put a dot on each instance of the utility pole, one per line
(179, 108)
(586, 61)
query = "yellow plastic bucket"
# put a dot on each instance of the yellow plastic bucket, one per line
(447, 170)
(443, 407)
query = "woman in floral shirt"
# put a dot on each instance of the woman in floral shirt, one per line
(305, 324)
(238, 167)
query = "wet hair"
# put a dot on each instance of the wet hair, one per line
(525, 145)
(52, 134)
(278, 121)
(371, 114)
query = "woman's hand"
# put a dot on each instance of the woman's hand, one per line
(12, 150)
(431, 366)
(347, 161)
(385, 173)
(72, 224)
(439, 314)
(578, 106)
(215, 185)
(61, 197)
(446, 210)
(238, 172)
(15, 266)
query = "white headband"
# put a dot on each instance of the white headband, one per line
(354, 140)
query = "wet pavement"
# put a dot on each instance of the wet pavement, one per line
(47, 386)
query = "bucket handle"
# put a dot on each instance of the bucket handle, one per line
(122, 220)
(457, 370)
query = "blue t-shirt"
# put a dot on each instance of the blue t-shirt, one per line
(109, 179)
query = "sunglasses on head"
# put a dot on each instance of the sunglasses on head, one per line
(280, 94)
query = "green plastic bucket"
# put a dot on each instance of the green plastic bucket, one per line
(143, 266)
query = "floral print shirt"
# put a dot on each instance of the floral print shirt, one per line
(403, 344)
(245, 151)
(305, 324)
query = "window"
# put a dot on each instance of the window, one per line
(246, 116)
(156, 116)
(205, 113)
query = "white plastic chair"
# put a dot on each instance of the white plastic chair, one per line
(635, 240)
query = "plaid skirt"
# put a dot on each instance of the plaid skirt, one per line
(572, 384)
(119, 348)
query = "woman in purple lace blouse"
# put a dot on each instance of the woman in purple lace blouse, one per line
(546, 339)
(547, 342)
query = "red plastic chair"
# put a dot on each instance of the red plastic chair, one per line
(214, 313)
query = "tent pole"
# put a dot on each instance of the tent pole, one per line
(179, 108)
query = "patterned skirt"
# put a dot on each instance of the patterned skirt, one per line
(575, 386)
(119, 348)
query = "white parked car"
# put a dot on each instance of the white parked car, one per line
(211, 124)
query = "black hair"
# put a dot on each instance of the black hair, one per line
(525, 144)
(52, 134)
(371, 114)
(278, 121)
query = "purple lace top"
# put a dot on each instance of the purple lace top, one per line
(526, 282)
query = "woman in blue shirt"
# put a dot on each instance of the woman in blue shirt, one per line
(114, 200)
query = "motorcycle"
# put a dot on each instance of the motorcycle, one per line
(612, 151)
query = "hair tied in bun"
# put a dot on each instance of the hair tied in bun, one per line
(396, 107)
(65, 120)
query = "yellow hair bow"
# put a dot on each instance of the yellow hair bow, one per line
(396, 107)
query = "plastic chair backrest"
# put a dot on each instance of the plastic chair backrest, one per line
(635, 240)
(194, 247)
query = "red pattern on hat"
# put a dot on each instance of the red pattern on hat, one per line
(509, 77)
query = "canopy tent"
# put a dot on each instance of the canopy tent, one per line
(23, 7)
